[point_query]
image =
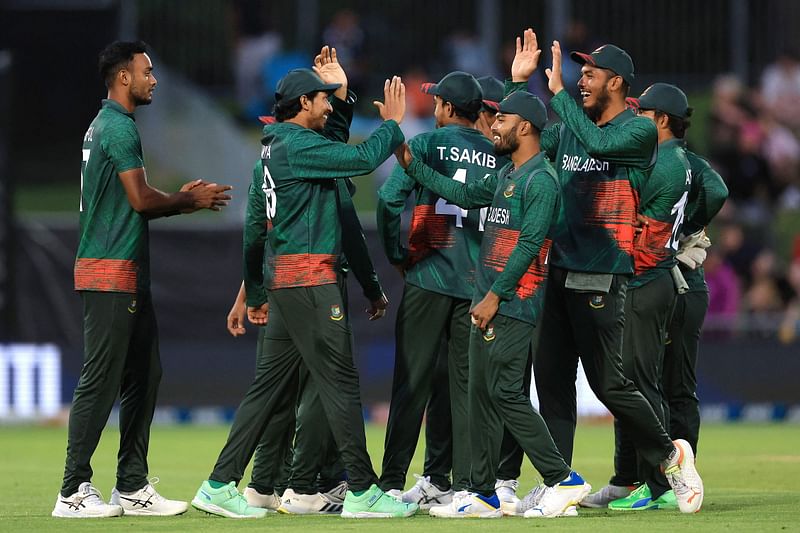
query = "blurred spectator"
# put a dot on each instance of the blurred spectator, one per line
(724, 293)
(780, 88)
(255, 45)
(577, 39)
(465, 51)
(346, 35)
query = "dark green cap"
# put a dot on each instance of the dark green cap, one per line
(665, 98)
(492, 90)
(459, 88)
(301, 81)
(610, 57)
(527, 106)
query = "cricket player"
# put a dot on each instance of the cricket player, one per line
(650, 299)
(439, 270)
(511, 275)
(112, 275)
(306, 160)
(603, 154)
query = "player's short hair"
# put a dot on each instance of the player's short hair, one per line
(286, 109)
(469, 114)
(677, 125)
(116, 56)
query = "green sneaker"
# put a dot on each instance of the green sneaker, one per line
(225, 501)
(667, 500)
(642, 500)
(374, 503)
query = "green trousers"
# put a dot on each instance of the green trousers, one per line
(121, 358)
(424, 319)
(680, 366)
(647, 312)
(590, 325)
(306, 326)
(511, 452)
(497, 362)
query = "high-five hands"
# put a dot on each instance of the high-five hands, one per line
(555, 82)
(393, 106)
(526, 58)
(327, 67)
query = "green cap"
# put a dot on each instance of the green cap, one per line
(301, 81)
(527, 106)
(459, 88)
(665, 98)
(492, 90)
(610, 57)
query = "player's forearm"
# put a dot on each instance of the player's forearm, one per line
(465, 195)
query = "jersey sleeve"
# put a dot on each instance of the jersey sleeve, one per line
(549, 140)
(354, 244)
(255, 238)
(633, 145)
(123, 146)
(539, 206)
(392, 197)
(337, 127)
(312, 156)
(711, 197)
(478, 193)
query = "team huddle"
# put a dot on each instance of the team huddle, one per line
(531, 248)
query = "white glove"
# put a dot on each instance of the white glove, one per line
(698, 239)
(691, 257)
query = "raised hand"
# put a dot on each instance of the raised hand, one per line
(555, 82)
(526, 58)
(327, 67)
(393, 106)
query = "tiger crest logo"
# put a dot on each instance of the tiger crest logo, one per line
(597, 302)
(336, 312)
(509, 191)
(489, 335)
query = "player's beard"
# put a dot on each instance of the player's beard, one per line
(507, 144)
(601, 104)
(141, 96)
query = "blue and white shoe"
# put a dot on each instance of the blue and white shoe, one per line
(469, 505)
(561, 499)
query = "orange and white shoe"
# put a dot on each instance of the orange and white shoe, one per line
(682, 476)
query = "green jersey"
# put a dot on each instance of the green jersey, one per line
(600, 169)
(355, 255)
(302, 184)
(706, 197)
(113, 252)
(515, 248)
(444, 239)
(662, 204)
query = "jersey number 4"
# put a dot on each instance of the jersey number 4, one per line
(445, 208)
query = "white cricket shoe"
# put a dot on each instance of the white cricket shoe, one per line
(337, 494)
(85, 503)
(270, 502)
(469, 505)
(606, 495)
(682, 476)
(147, 502)
(426, 494)
(506, 490)
(561, 499)
(529, 501)
(397, 494)
(294, 503)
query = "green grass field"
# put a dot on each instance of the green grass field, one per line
(751, 474)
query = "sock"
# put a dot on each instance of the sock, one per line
(216, 484)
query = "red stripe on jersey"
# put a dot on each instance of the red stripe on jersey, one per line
(428, 231)
(503, 243)
(614, 208)
(302, 270)
(105, 275)
(651, 245)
